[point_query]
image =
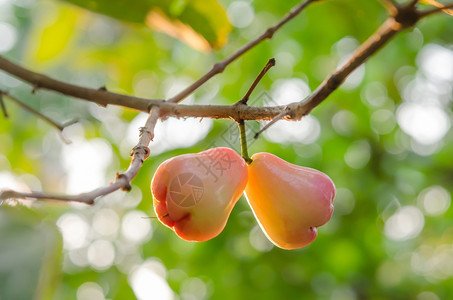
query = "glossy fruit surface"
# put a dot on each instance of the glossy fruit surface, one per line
(289, 201)
(195, 193)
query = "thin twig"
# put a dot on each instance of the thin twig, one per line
(270, 63)
(220, 66)
(390, 6)
(2, 104)
(83, 198)
(375, 42)
(283, 114)
(446, 8)
(57, 125)
(139, 154)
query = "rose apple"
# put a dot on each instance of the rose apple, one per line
(288, 201)
(195, 193)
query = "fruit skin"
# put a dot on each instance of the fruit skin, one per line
(288, 201)
(222, 175)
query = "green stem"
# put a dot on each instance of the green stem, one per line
(244, 151)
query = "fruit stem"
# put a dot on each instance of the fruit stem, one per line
(244, 151)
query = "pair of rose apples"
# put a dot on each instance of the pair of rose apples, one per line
(194, 195)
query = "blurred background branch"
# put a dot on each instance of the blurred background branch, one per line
(27, 107)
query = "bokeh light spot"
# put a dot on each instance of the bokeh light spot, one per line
(306, 131)
(286, 91)
(427, 296)
(358, 154)
(147, 284)
(8, 37)
(434, 200)
(259, 241)
(74, 230)
(91, 291)
(136, 226)
(344, 201)
(344, 122)
(383, 121)
(426, 123)
(85, 163)
(405, 224)
(106, 222)
(436, 62)
(390, 274)
(101, 254)
(193, 288)
(240, 14)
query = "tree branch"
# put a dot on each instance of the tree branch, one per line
(365, 51)
(168, 109)
(139, 153)
(220, 66)
(402, 17)
(103, 97)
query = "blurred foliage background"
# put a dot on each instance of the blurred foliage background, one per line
(384, 138)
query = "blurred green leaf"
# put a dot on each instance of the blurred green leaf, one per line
(30, 254)
(200, 23)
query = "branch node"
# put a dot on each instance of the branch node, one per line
(127, 187)
(152, 104)
(89, 201)
(334, 81)
(405, 15)
(218, 68)
(101, 89)
(270, 32)
(35, 88)
(236, 116)
(142, 131)
(137, 150)
(3, 106)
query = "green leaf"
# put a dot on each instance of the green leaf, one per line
(29, 255)
(53, 35)
(200, 23)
